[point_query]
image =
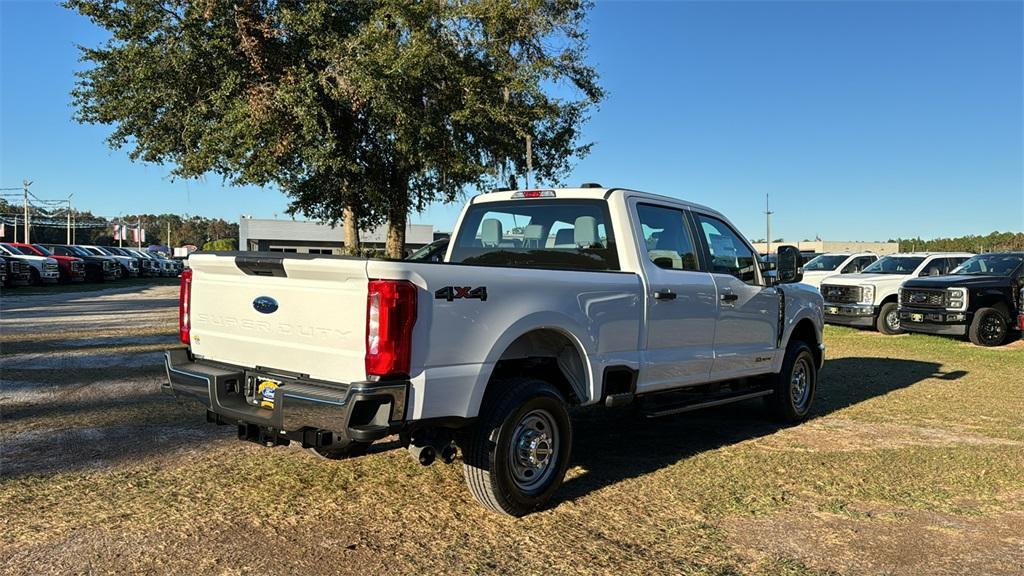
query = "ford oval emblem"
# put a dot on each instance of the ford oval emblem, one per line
(265, 305)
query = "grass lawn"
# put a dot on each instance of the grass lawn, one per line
(90, 286)
(912, 464)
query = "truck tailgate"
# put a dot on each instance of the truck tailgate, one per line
(312, 319)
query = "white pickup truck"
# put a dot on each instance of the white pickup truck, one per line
(871, 298)
(546, 299)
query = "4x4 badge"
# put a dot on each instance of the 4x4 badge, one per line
(450, 293)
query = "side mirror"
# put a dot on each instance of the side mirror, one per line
(788, 269)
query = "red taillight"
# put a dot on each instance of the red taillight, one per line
(390, 316)
(1020, 322)
(185, 306)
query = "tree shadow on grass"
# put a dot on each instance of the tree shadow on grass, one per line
(616, 445)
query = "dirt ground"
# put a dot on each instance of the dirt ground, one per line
(912, 465)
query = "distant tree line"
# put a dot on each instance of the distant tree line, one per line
(93, 229)
(993, 242)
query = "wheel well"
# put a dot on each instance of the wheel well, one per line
(547, 355)
(994, 301)
(890, 298)
(805, 332)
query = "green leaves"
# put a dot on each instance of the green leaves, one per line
(380, 105)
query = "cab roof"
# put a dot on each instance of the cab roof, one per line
(591, 193)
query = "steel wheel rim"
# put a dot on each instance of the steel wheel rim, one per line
(892, 320)
(533, 454)
(800, 384)
(992, 328)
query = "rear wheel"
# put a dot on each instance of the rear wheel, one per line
(795, 384)
(516, 455)
(888, 322)
(989, 328)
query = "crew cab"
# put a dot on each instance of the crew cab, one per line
(823, 266)
(72, 268)
(44, 270)
(980, 299)
(871, 299)
(97, 268)
(546, 299)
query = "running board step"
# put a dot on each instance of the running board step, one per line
(678, 408)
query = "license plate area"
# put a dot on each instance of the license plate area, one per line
(261, 390)
(832, 309)
(917, 317)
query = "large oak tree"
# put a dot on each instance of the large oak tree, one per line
(359, 111)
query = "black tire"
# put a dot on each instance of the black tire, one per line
(518, 482)
(786, 403)
(37, 280)
(887, 314)
(989, 328)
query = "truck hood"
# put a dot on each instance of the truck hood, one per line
(27, 258)
(959, 280)
(815, 277)
(873, 279)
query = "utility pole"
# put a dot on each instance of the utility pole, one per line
(169, 243)
(120, 232)
(69, 217)
(768, 224)
(24, 185)
(138, 231)
(15, 227)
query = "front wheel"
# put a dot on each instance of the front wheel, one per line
(516, 455)
(888, 322)
(795, 384)
(989, 328)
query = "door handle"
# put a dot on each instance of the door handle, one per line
(664, 295)
(729, 297)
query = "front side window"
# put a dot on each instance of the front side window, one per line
(895, 265)
(666, 237)
(728, 253)
(545, 233)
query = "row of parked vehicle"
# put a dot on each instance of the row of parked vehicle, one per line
(946, 293)
(24, 264)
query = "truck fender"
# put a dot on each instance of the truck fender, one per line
(541, 321)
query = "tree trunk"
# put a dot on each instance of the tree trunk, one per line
(351, 225)
(398, 213)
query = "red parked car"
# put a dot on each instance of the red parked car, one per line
(71, 269)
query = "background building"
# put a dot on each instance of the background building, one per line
(825, 246)
(307, 237)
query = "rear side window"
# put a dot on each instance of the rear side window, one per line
(728, 253)
(545, 233)
(666, 236)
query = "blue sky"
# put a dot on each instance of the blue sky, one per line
(863, 121)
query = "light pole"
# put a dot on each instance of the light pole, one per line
(69, 217)
(768, 224)
(24, 186)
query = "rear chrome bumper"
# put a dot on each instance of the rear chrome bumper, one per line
(356, 412)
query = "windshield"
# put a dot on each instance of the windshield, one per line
(546, 233)
(991, 264)
(825, 262)
(43, 249)
(80, 251)
(104, 251)
(895, 265)
(16, 250)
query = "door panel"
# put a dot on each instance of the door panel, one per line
(680, 301)
(748, 311)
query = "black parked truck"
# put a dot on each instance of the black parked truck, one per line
(980, 299)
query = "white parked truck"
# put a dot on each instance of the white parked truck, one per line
(871, 299)
(546, 299)
(824, 265)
